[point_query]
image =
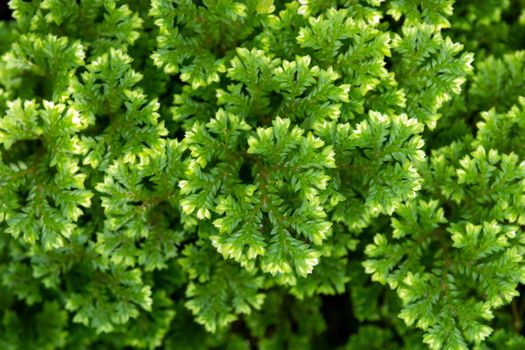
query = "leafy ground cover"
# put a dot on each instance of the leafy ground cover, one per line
(262, 174)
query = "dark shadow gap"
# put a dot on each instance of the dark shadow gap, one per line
(6, 14)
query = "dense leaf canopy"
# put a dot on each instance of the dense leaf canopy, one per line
(262, 174)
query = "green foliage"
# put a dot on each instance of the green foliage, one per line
(311, 174)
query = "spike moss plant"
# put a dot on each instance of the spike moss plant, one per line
(262, 174)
